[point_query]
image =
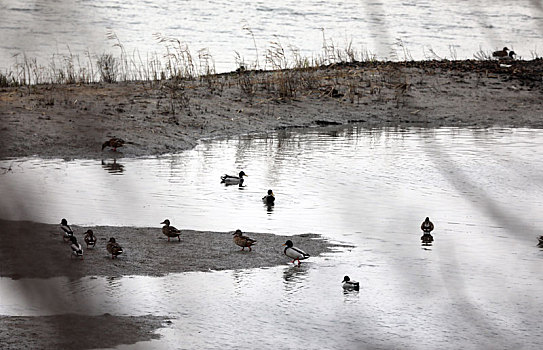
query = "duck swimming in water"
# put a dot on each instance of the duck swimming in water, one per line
(77, 250)
(233, 180)
(243, 241)
(294, 253)
(67, 230)
(269, 199)
(170, 231)
(540, 244)
(89, 238)
(114, 248)
(427, 226)
(500, 53)
(114, 143)
(350, 285)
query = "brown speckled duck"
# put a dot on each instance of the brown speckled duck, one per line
(114, 248)
(170, 231)
(243, 241)
(114, 143)
(501, 53)
(90, 238)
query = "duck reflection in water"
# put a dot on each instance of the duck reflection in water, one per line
(294, 276)
(113, 167)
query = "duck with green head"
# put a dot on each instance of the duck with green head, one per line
(233, 180)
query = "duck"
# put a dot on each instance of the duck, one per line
(350, 285)
(89, 238)
(114, 248)
(77, 250)
(500, 53)
(68, 233)
(170, 231)
(233, 180)
(269, 199)
(509, 57)
(294, 253)
(427, 226)
(114, 143)
(540, 244)
(243, 241)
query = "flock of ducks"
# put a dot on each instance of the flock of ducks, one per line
(112, 246)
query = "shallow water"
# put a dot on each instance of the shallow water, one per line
(41, 28)
(478, 286)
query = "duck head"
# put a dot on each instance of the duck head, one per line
(345, 279)
(64, 222)
(89, 232)
(166, 222)
(112, 240)
(237, 233)
(242, 174)
(288, 243)
(270, 193)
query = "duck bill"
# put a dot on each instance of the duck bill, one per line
(163, 222)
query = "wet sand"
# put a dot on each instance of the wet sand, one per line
(72, 121)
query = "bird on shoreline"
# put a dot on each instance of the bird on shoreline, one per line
(500, 53)
(68, 233)
(90, 238)
(77, 250)
(294, 253)
(269, 199)
(242, 241)
(233, 180)
(170, 231)
(350, 285)
(114, 143)
(508, 57)
(114, 248)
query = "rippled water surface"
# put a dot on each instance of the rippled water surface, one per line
(42, 28)
(478, 286)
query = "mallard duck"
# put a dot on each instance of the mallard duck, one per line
(233, 180)
(243, 241)
(294, 253)
(427, 226)
(350, 285)
(77, 250)
(170, 231)
(500, 53)
(269, 199)
(508, 57)
(114, 248)
(114, 143)
(90, 239)
(66, 229)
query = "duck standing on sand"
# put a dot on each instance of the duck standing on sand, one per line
(114, 143)
(500, 53)
(243, 241)
(68, 233)
(170, 231)
(269, 199)
(90, 238)
(114, 248)
(294, 253)
(350, 285)
(233, 180)
(77, 250)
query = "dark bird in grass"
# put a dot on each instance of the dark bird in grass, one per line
(269, 199)
(66, 229)
(233, 180)
(243, 241)
(114, 143)
(114, 248)
(170, 231)
(77, 250)
(350, 285)
(294, 253)
(90, 238)
(501, 53)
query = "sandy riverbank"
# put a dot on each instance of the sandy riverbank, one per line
(72, 121)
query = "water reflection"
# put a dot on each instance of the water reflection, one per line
(113, 167)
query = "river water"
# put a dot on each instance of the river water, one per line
(41, 28)
(477, 286)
